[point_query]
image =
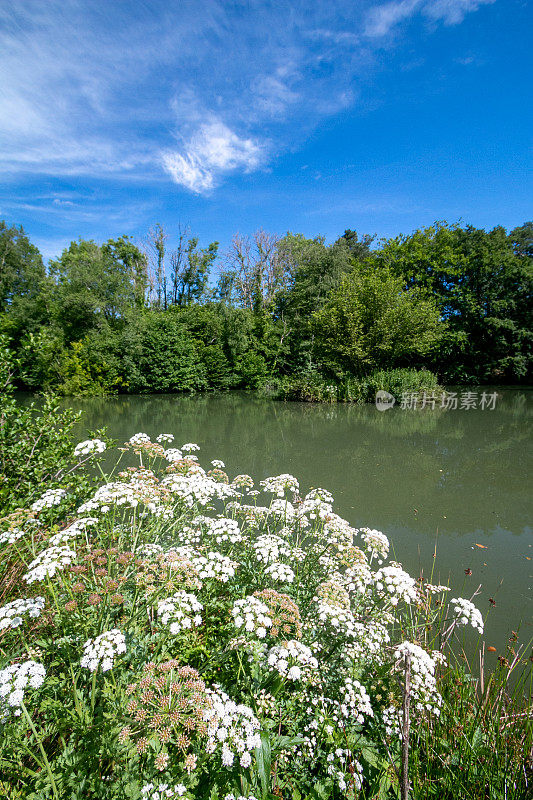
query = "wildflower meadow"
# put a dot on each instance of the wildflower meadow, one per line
(182, 632)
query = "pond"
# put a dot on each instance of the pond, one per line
(450, 488)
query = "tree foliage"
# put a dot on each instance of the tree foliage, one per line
(122, 317)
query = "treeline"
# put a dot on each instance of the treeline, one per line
(123, 317)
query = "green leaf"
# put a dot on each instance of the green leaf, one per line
(263, 755)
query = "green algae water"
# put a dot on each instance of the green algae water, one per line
(450, 488)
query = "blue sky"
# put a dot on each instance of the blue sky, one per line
(226, 116)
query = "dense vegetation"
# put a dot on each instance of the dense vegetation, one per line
(179, 633)
(294, 313)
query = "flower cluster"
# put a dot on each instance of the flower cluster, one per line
(253, 615)
(292, 660)
(167, 704)
(190, 447)
(180, 612)
(269, 548)
(88, 447)
(162, 791)
(52, 497)
(281, 573)
(139, 439)
(466, 613)
(346, 770)
(196, 488)
(370, 639)
(214, 565)
(376, 543)
(396, 584)
(48, 562)
(232, 725)
(279, 484)
(11, 614)
(13, 682)
(355, 701)
(221, 529)
(283, 612)
(423, 682)
(12, 535)
(102, 650)
(171, 571)
(163, 438)
(173, 454)
(243, 482)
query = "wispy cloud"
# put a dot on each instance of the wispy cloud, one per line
(382, 19)
(89, 88)
(211, 152)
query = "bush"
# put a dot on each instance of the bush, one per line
(395, 381)
(312, 387)
(177, 639)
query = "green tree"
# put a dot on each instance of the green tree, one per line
(131, 262)
(93, 283)
(21, 266)
(372, 322)
(483, 291)
(24, 286)
(190, 269)
(167, 358)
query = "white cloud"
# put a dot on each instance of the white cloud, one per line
(212, 150)
(451, 12)
(87, 88)
(381, 20)
(273, 93)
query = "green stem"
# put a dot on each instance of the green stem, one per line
(41, 748)
(93, 690)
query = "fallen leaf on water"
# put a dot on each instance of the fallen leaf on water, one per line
(483, 546)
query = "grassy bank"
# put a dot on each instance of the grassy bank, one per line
(311, 387)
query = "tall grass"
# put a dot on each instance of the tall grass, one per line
(312, 387)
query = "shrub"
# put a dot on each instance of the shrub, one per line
(312, 387)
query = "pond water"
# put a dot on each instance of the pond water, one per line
(454, 483)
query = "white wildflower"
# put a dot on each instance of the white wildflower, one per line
(395, 584)
(376, 543)
(281, 573)
(355, 701)
(13, 682)
(165, 437)
(279, 484)
(103, 649)
(253, 615)
(467, 613)
(52, 497)
(232, 727)
(292, 659)
(89, 446)
(48, 562)
(139, 438)
(11, 614)
(181, 611)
